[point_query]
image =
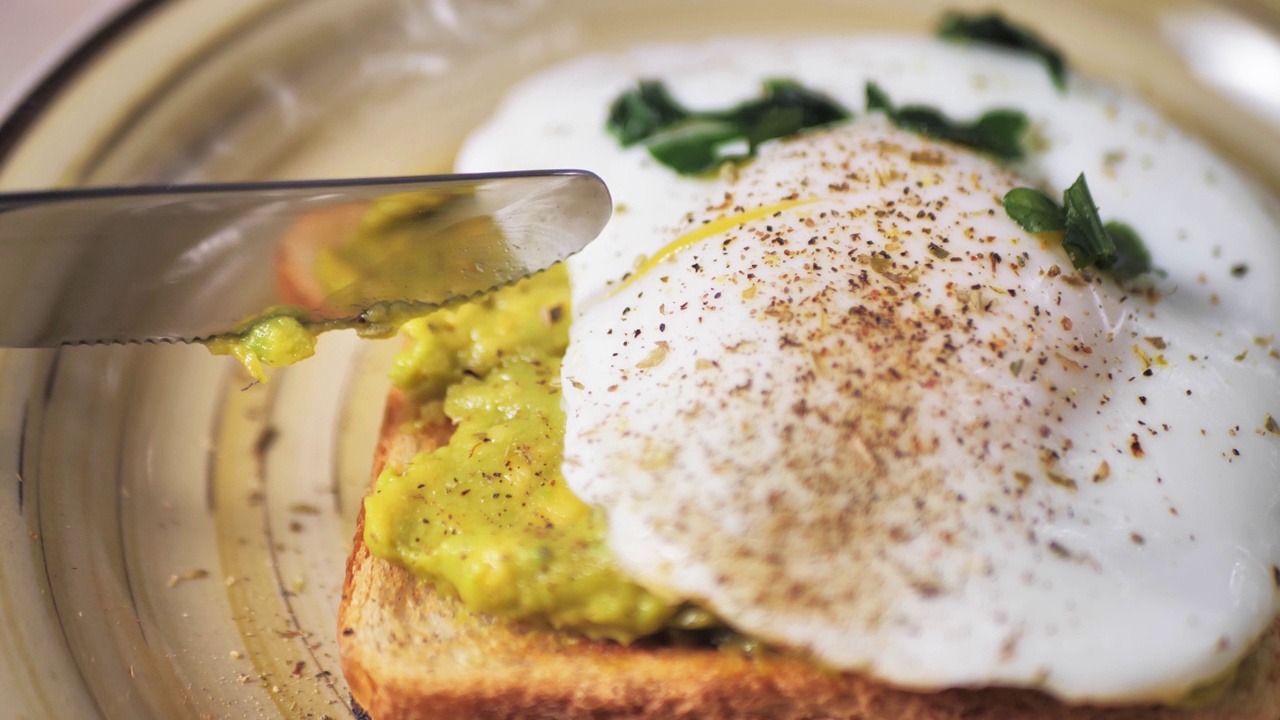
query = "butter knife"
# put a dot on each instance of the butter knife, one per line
(195, 262)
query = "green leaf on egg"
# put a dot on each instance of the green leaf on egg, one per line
(991, 28)
(642, 111)
(1034, 211)
(1113, 247)
(695, 146)
(803, 108)
(1002, 132)
(998, 132)
(1086, 240)
(693, 143)
(877, 100)
(1131, 258)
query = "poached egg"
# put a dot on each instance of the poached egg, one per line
(841, 400)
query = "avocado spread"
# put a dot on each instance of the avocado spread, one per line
(276, 340)
(405, 257)
(488, 516)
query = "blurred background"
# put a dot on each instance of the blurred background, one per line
(35, 33)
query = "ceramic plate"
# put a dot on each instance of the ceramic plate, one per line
(174, 537)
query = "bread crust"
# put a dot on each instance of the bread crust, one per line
(409, 652)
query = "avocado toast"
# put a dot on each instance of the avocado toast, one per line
(412, 649)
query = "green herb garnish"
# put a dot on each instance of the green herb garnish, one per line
(697, 146)
(692, 143)
(641, 112)
(1131, 258)
(1085, 240)
(992, 28)
(1113, 247)
(996, 132)
(1034, 211)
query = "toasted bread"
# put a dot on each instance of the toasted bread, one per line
(409, 651)
(296, 253)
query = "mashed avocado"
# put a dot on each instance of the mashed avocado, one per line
(404, 258)
(488, 515)
(275, 341)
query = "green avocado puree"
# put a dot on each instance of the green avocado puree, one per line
(276, 340)
(368, 279)
(488, 515)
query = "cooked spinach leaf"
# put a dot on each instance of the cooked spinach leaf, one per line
(642, 111)
(1085, 240)
(1034, 211)
(692, 143)
(997, 132)
(1113, 247)
(697, 146)
(991, 28)
(1131, 258)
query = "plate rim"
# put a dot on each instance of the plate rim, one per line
(49, 84)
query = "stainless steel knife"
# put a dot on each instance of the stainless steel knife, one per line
(187, 263)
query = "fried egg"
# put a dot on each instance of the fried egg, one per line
(840, 399)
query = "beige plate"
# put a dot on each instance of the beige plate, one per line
(173, 541)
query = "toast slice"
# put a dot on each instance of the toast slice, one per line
(410, 652)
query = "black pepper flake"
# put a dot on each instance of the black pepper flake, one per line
(1239, 270)
(1135, 447)
(1275, 576)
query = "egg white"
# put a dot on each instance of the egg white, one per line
(995, 471)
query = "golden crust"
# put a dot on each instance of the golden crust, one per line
(409, 652)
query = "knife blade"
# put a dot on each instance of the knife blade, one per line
(194, 262)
